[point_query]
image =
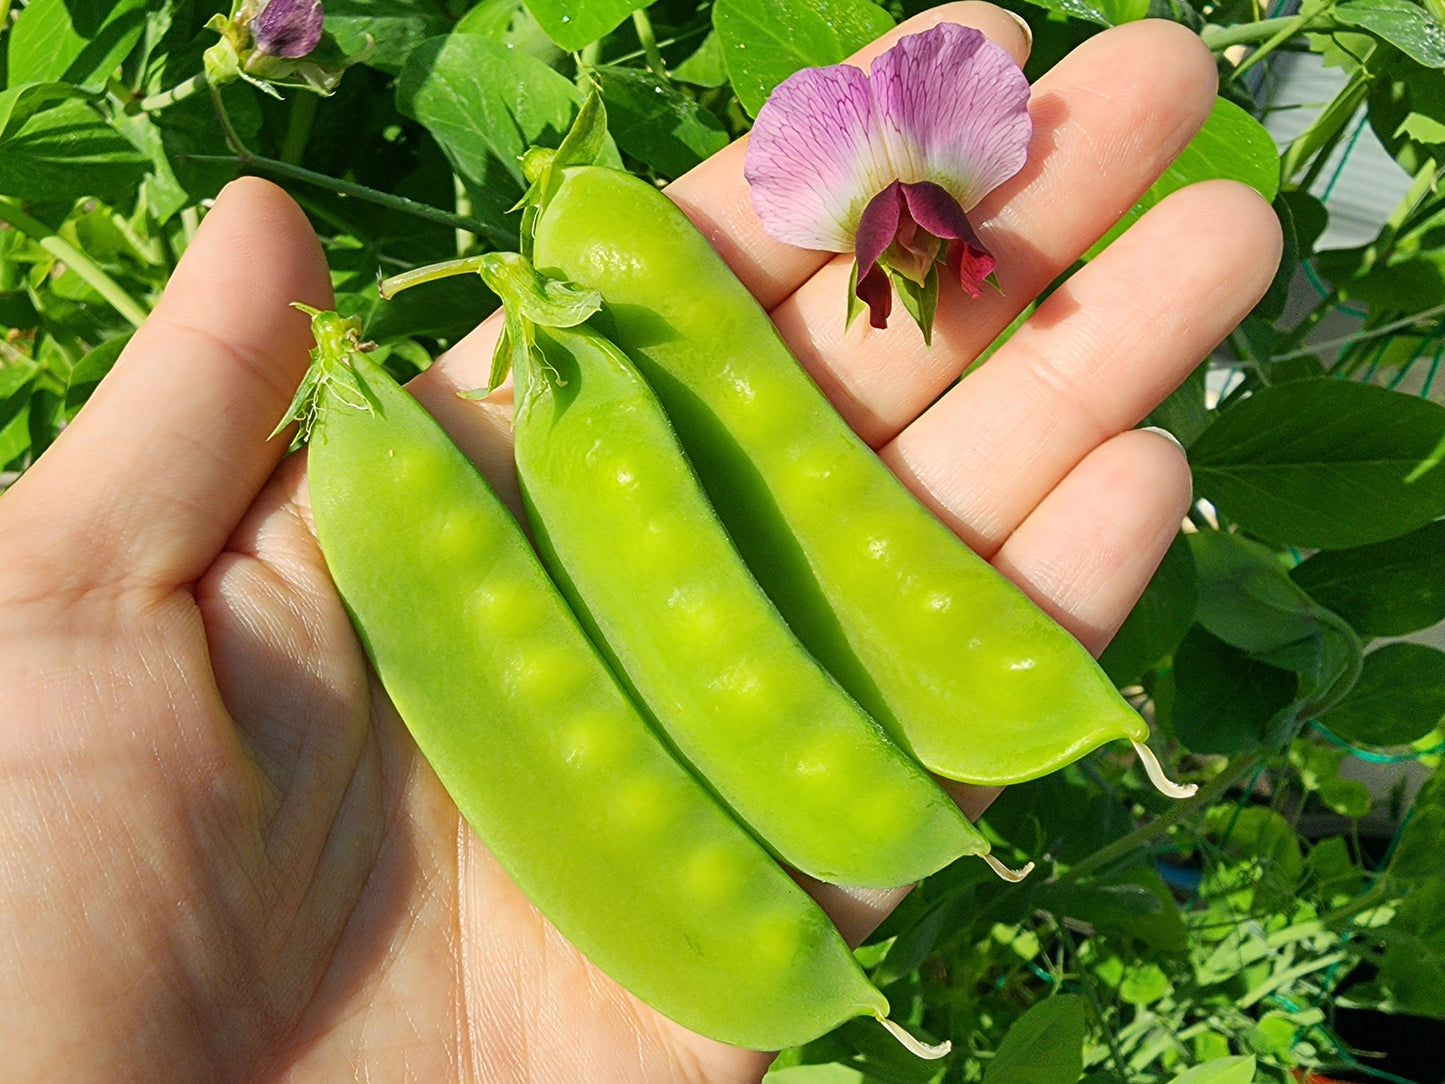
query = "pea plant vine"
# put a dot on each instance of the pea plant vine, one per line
(1287, 647)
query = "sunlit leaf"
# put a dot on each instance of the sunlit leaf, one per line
(765, 41)
(1323, 463)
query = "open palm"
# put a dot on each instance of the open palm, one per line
(222, 856)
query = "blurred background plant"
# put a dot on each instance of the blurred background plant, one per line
(1286, 924)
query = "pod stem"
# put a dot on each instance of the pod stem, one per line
(915, 1046)
(389, 288)
(1162, 782)
(1012, 876)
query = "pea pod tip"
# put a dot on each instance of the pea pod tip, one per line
(1155, 771)
(915, 1046)
(1012, 876)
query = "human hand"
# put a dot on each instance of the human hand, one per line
(224, 858)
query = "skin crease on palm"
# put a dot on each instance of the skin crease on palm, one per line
(220, 856)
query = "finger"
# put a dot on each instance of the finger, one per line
(715, 196)
(1087, 551)
(1108, 119)
(1099, 354)
(159, 467)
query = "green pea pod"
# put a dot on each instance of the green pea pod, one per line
(959, 666)
(544, 754)
(622, 523)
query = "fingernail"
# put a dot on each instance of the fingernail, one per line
(1170, 437)
(1023, 25)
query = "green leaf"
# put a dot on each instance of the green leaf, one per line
(1324, 463)
(1138, 904)
(1044, 1046)
(73, 41)
(1403, 24)
(1399, 698)
(1422, 839)
(67, 152)
(765, 41)
(1225, 700)
(396, 27)
(15, 428)
(1332, 873)
(1407, 113)
(1144, 984)
(1385, 589)
(1223, 1071)
(509, 22)
(827, 1073)
(575, 23)
(1159, 619)
(1260, 851)
(486, 104)
(19, 104)
(1319, 768)
(89, 371)
(707, 67)
(1232, 145)
(1412, 973)
(1103, 12)
(655, 122)
(1248, 600)
(1183, 412)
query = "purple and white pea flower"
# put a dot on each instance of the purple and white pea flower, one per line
(887, 164)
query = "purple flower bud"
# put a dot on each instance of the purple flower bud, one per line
(288, 28)
(886, 164)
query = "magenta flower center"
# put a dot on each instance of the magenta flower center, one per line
(904, 228)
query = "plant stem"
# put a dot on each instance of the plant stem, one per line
(164, 98)
(1092, 993)
(298, 126)
(1321, 136)
(1374, 332)
(88, 270)
(1180, 811)
(247, 160)
(465, 238)
(643, 25)
(233, 140)
(4, 14)
(1220, 38)
(1290, 28)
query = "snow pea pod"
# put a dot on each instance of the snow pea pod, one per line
(959, 666)
(543, 752)
(622, 523)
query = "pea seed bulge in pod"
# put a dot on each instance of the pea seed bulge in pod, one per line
(755, 638)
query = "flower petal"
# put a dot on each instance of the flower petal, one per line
(288, 28)
(952, 109)
(877, 228)
(875, 291)
(935, 209)
(815, 159)
(971, 265)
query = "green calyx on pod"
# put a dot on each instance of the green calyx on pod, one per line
(337, 338)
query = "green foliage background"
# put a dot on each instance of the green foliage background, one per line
(1215, 940)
